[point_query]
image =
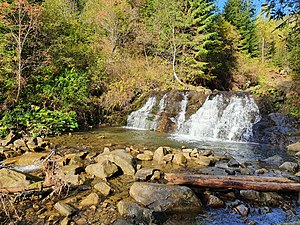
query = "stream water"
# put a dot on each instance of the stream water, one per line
(224, 123)
(118, 137)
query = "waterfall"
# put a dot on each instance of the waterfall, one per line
(181, 115)
(223, 117)
(143, 118)
(162, 106)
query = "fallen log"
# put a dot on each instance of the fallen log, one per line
(232, 182)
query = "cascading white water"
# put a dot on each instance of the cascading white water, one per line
(181, 115)
(162, 106)
(143, 118)
(224, 118)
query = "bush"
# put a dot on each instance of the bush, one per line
(37, 121)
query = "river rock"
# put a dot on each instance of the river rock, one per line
(242, 210)
(10, 138)
(143, 174)
(233, 163)
(165, 198)
(12, 179)
(29, 158)
(267, 198)
(213, 201)
(159, 154)
(261, 171)
(102, 170)
(20, 144)
(167, 158)
(103, 188)
(179, 159)
(91, 199)
(294, 147)
(144, 157)
(134, 211)
(70, 174)
(64, 209)
(203, 160)
(119, 157)
(289, 166)
(275, 160)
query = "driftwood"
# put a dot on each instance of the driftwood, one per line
(243, 182)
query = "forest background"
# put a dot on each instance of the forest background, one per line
(69, 64)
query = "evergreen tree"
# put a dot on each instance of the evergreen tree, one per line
(184, 31)
(240, 14)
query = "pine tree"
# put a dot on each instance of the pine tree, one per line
(185, 31)
(240, 13)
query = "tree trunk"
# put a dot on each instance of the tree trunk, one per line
(243, 183)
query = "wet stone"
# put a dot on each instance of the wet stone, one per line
(213, 201)
(261, 171)
(242, 210)
(289, 166)
(133, 210)
(233, 163)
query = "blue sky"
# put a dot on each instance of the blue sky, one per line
(257, 4)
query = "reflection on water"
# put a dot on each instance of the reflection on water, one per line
(121, 137)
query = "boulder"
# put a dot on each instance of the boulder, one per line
(143, 174)
(133, 210)
(242, 210)
(102, 170)
(289, 166)
(294, 147)
(165, 198)
(159, 154)
(179, 159)
(213, 201)
(266, 198)
(203, 160)
(121, 158)
(144, 157)
(167, 158)
(12, 179)
(26, 159)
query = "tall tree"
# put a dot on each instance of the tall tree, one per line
(184, 32)
(20, 19)
(240, 13)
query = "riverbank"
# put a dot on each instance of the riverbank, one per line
(106, 183)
